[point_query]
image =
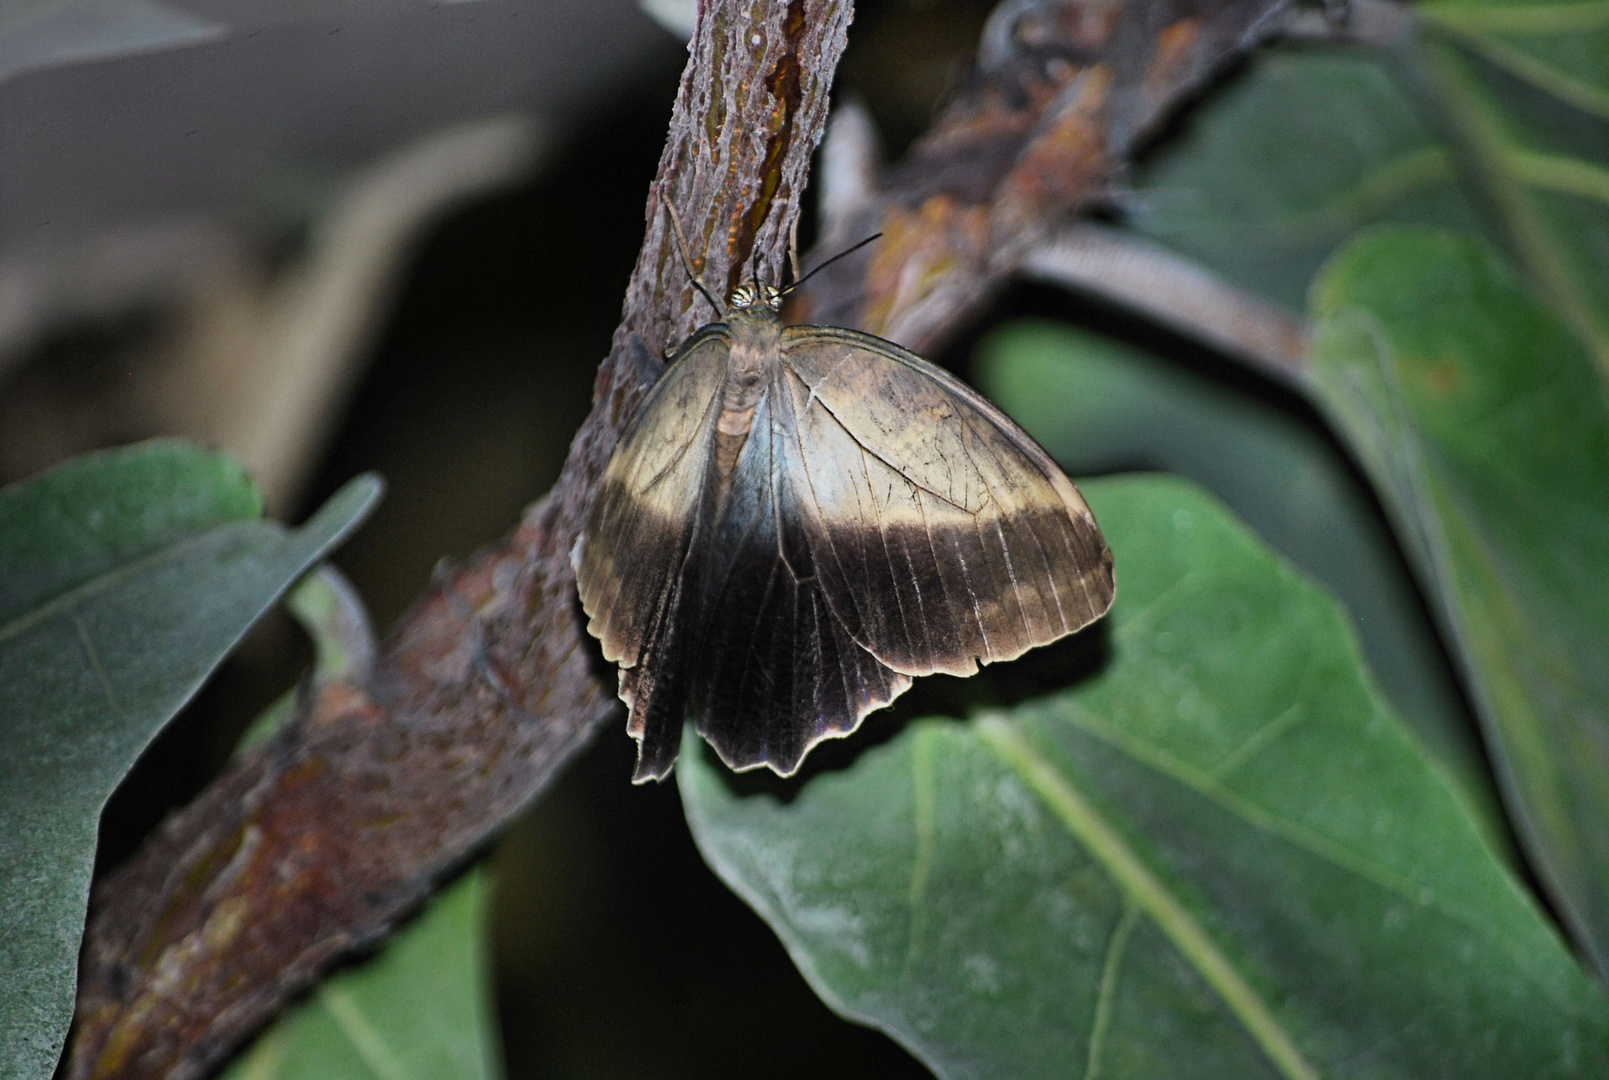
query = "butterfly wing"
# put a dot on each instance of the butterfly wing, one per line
(772, 671)
(630, 558)
(941, 534)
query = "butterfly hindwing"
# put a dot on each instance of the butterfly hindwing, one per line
(943, 536)
(775, 671)
(638, 532)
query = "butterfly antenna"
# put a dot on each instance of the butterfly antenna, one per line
(793, 249)
(687, 260)
(798, 281)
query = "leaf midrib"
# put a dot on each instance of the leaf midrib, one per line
(110, 579)
(1148, 893)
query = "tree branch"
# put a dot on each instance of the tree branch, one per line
(1065, 93)
(319, 842)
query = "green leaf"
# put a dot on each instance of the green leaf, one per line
(1524, 88)
(1271, 175)
(1306, 148)
(1220, 856)
(1099, 406)
(1479, 416)
(125, 577)
(420, 1010)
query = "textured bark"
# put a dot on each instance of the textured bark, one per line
(1065, 91)
(319, 842)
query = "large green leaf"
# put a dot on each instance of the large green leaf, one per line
(125, 577)
(1268, 177)
(1219, 856)
(420, 1010)
(1099, 406)
(1480, 418)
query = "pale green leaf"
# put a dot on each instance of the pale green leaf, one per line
(1479, 417)
(1218, 857)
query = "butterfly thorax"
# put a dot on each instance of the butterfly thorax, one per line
(754, 330)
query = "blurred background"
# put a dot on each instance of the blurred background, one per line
(394, 235)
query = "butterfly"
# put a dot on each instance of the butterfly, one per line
(800, 520)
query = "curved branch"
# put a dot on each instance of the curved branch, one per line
(318, 842)
(1067, 90)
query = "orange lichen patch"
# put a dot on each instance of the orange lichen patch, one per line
(920, 248)
(343, 703)
(1063, 162)
(988, 118)
(1170, 59)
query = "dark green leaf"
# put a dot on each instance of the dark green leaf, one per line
(1480, 418)
(125, 577)
(1099, 406)
(1525, 90)
(1271, 175)
(420, 1010)
(1218, 857)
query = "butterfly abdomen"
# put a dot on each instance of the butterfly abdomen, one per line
(749, 364)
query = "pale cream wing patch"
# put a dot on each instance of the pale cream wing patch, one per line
(943, 535)
(632, 547)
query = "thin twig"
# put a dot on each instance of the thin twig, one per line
(1153, 281)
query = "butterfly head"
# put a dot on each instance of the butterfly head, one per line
(755, 296)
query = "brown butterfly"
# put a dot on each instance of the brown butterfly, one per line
(801, 519)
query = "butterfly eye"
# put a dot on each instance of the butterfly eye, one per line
(774, 298)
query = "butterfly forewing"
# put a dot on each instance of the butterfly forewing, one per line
(943, 534)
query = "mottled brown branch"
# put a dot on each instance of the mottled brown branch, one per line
(1066, 90)
(320, 841)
